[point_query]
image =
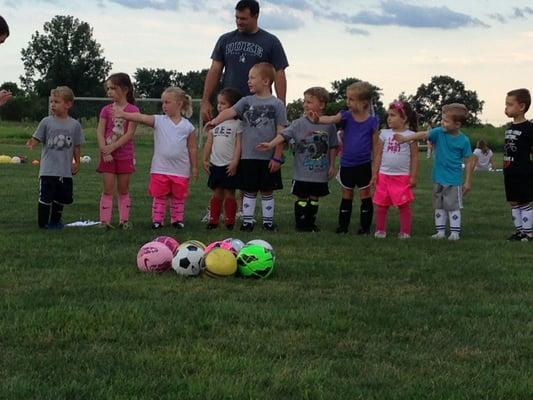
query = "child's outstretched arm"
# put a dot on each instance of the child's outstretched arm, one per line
(207, 152)
(413, 172)
(76, 159)
(277, 159)
(137, 117)
(422, 135)
(324, 119)
(228, 113)
(193, 151)
(470, 164)
(265, 146)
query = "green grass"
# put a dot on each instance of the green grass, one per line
(342, 318)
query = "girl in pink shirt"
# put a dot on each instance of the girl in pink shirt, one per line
(115, 141)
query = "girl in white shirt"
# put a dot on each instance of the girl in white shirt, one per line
(175, 155)
(484, 156)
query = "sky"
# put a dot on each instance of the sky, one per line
(396, 45)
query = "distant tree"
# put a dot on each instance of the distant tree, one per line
(152, 82)
(13, 88)
(65, 54)
(295, 109)
(192, 82)
(442, 90)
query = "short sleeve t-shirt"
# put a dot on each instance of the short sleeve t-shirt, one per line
(357, 139)
(58, 137)
(396, 157)
(240, 51)
(224, 137)
(312, 143)
(483, 160)
(450, 151)
(171, 155)
(518, 149)
(115, 128)
(260, 118)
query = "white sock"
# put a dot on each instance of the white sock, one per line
(527, 219)
(248, 207)
(517, 217)
(455, 221)
(440, 220)
(267, 203)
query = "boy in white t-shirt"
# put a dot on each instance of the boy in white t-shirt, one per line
(174, 159)
(222, 152)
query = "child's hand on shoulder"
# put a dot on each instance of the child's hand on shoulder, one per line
(265, 146)
(117, 112)
(400, 138)
(209, 125)
(313, 116)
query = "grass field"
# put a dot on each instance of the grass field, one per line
(344, 317)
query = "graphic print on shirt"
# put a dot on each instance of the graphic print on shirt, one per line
(392, 146)
(511, 136)
(259, 116)
(244, 50)
(118, 130)
(314, 147)
(59, 140)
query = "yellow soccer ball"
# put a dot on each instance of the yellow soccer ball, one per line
(219, 263)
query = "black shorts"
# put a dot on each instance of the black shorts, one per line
(358, 176)
(55, 188)
(254, 176)
(304, 190)
(219, 178)
(518, 187)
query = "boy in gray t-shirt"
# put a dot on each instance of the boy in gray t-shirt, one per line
(314, 158)
(61, 137)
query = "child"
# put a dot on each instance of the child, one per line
(451, 147)
(222, 152)
(61, 137)
(483, 157)
(174, 155)
(517, 164)
(115, 141)
(5, 95)
(395, 169)
(263, 117)
(315, 147)
(359, 138)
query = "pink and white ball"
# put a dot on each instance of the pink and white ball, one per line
(154, 257)
(170, 242)
(233, 245)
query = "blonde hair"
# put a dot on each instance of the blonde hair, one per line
(456, 111)
(186, 100)
(319, 92)
(266, 70)
(362, 90)
(64, 92)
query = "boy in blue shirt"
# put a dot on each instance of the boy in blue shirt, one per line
(451, 148)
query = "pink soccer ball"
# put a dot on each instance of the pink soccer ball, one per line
(213, 245)
(154, 257)
(170, 242)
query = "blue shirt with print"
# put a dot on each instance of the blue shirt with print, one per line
(450, 151)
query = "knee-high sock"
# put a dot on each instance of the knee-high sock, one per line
(440, 220)
(381, 218)
(299, 214)
(406, 218)
(366, 213)
(311, 213)
(177, 209)
(43, 214)
(124, 206)
(517, 217)
(345, 213)
(267, 205)
(106, 208)
(215, 208)
(57, 212)
(527, 219)
(455, 221)
(248, 207)
(230, 209)
(159, 205)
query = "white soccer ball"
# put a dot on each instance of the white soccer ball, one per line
(15, 160)
(188, 260)
(85, 159)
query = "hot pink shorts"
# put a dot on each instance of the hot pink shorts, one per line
(116, 166)
(164, 185)
(392, 190)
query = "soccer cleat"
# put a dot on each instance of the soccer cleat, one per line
(57, 225)
(438, 236)
(315, 228)
(230, 227)
(157, 225)
(105, 225)
(210, 227)
(267, 226)
(363, 232)
(247, 227)
(341, 229)
(454, 236)
(403, 236)
(516, 237)
(126, 226)
(380, 234)
(178, 225)
(526, 238)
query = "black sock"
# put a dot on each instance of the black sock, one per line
(345, 213)
(367, 211)
(57, 212)
(312, 211)
(43, 215)
(299, 214)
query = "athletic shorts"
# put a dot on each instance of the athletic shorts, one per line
(161, 185)
(518, 187)
(219, 178)
(116, 166)
(447, 197)
(254, 176)
(358, 176)
(392, 190)
(304, 190)
(55, 188)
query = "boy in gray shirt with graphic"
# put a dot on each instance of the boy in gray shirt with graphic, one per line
(314, 158)
(264, 116)
(61, 137)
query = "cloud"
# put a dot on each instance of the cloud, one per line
(522, 12)
(357, 31)
(155, 4)
(498, 17)
(274, 19)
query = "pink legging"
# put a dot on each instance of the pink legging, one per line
(405, 218)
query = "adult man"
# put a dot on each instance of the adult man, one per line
(237, 51)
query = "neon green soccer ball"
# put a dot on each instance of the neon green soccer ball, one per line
(254, 261)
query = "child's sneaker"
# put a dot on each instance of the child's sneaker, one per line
(380, 234)
(105, 225)
(210, 227)
(57, 225)
(454, 236)
(403, 235)
(438, 236)
(363, 232)
(230, 227)
(516, 237)
(157, 225)
(267, 226)
(247, 227)
(341, 229)
(178, 225)
(126, 225)
(526, 238)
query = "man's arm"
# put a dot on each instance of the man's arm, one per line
(280, 85)
(211, 82)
